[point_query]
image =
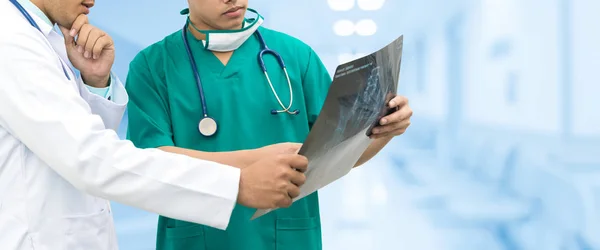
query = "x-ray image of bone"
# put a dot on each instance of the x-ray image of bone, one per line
(359, 110)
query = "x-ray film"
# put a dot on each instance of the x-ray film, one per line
(356, 101)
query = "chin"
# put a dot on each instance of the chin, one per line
(232, 25)
(65, 23)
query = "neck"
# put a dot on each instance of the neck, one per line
(201, 26)
(198, 35)
(41, 6)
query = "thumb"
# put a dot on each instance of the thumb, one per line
(69, 40)
(293, 148)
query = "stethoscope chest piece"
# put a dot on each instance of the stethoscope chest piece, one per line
(207, 126)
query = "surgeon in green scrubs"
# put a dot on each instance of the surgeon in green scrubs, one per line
(165, 109)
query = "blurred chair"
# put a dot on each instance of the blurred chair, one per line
(416, 150)
(559, 216)
(484, 196)
(578, 163)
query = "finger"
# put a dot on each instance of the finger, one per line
(297, 162)
(400, 115)
(93, 42)
(388, 135)
(293, 191)
(83, 37)
(398, 101)
(294, 148)
(297, 178)
(77, 24)
(391, 129)
(69, 40)
(285, 201)
(101, 45)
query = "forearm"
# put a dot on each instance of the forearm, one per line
(373, 149)
(238, 159)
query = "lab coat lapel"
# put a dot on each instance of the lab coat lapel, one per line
(57, 42)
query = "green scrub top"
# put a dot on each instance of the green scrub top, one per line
(165, 108)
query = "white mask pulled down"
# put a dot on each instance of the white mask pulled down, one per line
(230, 40)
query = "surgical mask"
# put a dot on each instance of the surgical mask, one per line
(228, 40)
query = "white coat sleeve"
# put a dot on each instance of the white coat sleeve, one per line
(46, 113)
(111, 111)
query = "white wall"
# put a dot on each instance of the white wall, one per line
(428, 25)
(585, 48)
(431, 101)
(533, 58)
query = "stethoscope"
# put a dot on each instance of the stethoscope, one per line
(207, 125)
(34, 24)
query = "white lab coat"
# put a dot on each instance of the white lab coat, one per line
(61, 160)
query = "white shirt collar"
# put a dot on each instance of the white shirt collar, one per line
(38, 16)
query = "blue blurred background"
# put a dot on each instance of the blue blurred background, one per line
(502, 151)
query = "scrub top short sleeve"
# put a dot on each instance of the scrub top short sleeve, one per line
(149, 124)
(316, 81)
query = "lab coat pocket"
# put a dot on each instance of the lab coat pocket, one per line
(298, 234)
(89, 232)
(185, 237)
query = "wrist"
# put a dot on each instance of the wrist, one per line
(96, 81)
(247, 157)
(239, 158)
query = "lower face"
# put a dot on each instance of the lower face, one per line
(66, 11)
(230, 21)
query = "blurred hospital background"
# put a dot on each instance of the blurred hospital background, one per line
(503, 151)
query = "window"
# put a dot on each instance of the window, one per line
(511, 95)
(420, 64)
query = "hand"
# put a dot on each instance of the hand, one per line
(279, 148)
(272, 182)
(92, 53)
(252, 155)
(396, 123)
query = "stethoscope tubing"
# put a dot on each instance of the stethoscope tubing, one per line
(195, 71)
(263, 51)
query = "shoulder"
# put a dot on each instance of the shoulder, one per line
(15, 29)
(148, 67)
(294, 51)
(271, 35)
(282, 41)
(157, 52)
(20, 39)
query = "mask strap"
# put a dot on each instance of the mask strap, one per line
(194, 26)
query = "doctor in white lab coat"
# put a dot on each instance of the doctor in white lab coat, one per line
(61, 159)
